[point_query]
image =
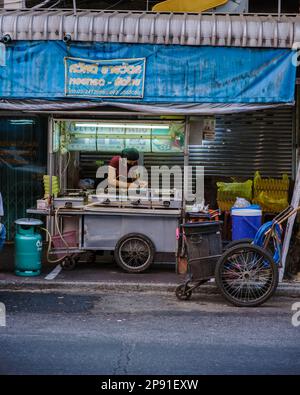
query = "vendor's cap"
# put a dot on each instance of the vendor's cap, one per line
(130, 154)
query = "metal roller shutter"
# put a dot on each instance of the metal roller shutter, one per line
(247, 142)
(88, 162)
(168, 160)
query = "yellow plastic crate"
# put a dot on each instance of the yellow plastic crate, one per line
(225, 205)
(271, 193)
(271, 184)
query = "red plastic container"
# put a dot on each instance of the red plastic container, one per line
(70, 239)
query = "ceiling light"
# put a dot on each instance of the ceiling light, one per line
(120, 126)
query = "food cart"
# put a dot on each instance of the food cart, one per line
(84, 220)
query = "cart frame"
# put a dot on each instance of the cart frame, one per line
(252, 282)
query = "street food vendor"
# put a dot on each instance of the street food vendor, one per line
(120, 166)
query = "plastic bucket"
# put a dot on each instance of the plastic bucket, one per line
(245, 222)
(58, 244)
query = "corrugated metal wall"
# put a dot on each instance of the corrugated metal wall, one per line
(169, 160)
(152, 28)
(247, 142)
(88, 164)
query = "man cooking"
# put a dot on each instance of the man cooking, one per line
(119, 168)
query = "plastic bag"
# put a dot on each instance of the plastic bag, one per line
(235, 189)
(86, 183)
(271, 202)
(241, 203)
(271, 193)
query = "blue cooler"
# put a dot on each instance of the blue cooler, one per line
(246, 222)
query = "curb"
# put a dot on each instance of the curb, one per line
(290, 290)
(284, 290)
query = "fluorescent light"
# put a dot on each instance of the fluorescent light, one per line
(21, 121)
(119, 125)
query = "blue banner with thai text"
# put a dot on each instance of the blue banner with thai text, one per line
(122, 78)
(152, 74)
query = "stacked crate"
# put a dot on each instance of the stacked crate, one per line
(55, 186)
(270, 193)
(229, 192)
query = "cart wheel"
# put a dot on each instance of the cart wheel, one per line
(238, 242)
(182, 292)
(91, 257)
(247, 275)
(134, 253)
(69, 262)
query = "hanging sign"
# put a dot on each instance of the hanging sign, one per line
(105, 78)
(209, 129)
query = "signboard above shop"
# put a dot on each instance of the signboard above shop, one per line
(123, 78)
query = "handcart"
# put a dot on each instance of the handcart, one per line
(247, 273)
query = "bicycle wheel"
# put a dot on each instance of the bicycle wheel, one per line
(247, 275)
(238, 242)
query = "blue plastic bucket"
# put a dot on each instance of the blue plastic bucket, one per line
(245, 222)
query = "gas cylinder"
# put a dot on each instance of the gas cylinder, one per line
(28, 247)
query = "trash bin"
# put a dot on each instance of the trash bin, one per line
(28, 247)
(204, 247)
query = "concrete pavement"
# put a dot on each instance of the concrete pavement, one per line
(136, 333)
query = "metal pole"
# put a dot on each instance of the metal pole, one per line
(290, 225)
(279, 8)
(147, 6)
(50, 152)
(180, 244)
(186, 160)
(74, 7)
(50, 166)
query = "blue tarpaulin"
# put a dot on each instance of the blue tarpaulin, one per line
(173, 73)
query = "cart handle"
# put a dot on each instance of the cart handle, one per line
(285, 212)
(281, 219)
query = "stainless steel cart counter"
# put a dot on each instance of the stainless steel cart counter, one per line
(131, 233)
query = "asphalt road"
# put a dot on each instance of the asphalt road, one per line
(117, 334)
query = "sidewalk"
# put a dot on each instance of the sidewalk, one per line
(106, 275)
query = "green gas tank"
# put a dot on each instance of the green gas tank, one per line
(28, 247)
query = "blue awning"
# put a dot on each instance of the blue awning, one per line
(173, 75)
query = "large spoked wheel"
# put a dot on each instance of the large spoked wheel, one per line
(271, 247)
(238, 242)
(134, 253)
(247, 275)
